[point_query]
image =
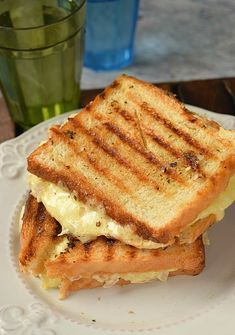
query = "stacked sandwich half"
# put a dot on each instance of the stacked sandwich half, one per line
(124, 190)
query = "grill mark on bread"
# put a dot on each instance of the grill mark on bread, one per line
(160, 140)
(179, 132)
(156, 252)
(152, 159)
(163, 143)
(132, 253)
(114, 179)
(111, 249)
(30, 253)
(112, 152)
(115, 154)
(133, 144)
(150, 132)
(87, 250)
(28, 216)
(93, 161)
(28, 205)
(124, 113)
(40, 217)
(190, 157)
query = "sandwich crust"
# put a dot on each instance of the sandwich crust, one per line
(142, 156)
(39, 236)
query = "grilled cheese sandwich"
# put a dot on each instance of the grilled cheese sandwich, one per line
(123, 191)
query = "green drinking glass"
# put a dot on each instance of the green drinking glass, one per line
(41, 52)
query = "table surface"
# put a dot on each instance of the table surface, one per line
(176, 41)
(216, 95)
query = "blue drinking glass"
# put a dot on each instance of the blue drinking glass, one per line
(110, 31)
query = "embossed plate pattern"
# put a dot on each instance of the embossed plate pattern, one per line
(183, 305)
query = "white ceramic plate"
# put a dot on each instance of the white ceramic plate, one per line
(183, 305)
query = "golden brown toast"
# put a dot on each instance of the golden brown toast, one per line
(75, 265)
(142, 156)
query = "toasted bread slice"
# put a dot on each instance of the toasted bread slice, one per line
(87, 223)
(139, 154)
(74, 266)
(111, 256)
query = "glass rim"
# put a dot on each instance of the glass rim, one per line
(45, 25)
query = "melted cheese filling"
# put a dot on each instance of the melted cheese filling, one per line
(223, 201)
(109, 280)
(87, 223)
